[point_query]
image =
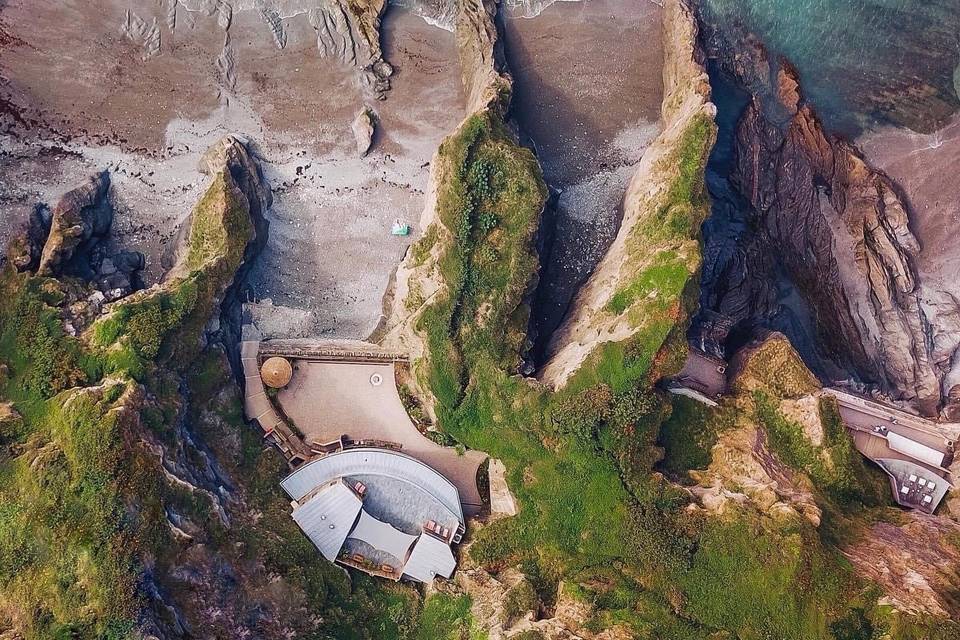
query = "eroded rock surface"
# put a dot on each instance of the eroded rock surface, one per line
(75, 240)
(687, 115)
(840, 230)
(363, 126)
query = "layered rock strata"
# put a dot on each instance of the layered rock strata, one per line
(840, 230)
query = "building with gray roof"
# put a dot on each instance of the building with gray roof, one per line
(379, 511)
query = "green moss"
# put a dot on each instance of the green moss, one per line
(689, 435)
(444, 617)
(685, 204)
(490, 199)
(756, 581)
(776, 369)
(835, 467)
(580, 460)
(221, 226)
(663, 280)
(64, 543)
(422, 247)
(520, 599)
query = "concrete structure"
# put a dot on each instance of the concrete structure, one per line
(368, 489)
(703, 378)
(358, 401)
(257, 406)
(914, 485)
(378, 511)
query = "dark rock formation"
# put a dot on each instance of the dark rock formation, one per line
(73, 240)
(81, 218)
(232, 155)
(839, 229)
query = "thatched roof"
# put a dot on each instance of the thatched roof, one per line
(276, 372)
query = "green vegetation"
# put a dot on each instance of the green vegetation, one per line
(80, 501)
(835, 467)
(445, 617)
(215, 237)
(564, 466)
(689, 434)
(65, 546)
(775, 369)
(580, 461)
(665, 278)
(491, 199)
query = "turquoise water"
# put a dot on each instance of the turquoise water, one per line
(862, 62)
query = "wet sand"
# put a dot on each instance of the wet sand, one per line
(588, 91)
(79, 97)
(925, 167)
(330, 254)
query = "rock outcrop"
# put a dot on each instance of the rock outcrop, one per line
(418, 281)
(485, 78)
(840, 230)
(749, 472)
(350, 30)
(363, 127)
(81, 218)
(73, 240)
(743, 470)
(921, 578)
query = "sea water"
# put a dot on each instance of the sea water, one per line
(862, 62)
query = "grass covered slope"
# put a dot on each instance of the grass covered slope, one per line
(598, 529)
(80, 500)
(135, 500)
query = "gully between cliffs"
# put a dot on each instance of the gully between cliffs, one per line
(589, 109)
(745, 290)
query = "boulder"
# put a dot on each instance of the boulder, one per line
(363, 128)
(25, 249)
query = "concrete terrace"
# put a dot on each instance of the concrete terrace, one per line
(327, 400)
(907, 447)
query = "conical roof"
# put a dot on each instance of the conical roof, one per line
(276, 372)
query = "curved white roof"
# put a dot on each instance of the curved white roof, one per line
(383, 462)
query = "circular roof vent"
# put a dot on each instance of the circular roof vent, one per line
(276, 372)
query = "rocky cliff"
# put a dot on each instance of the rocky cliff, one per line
(663, 208)
(781, 451)
(840, 229)
(419, 282)
(153, 509)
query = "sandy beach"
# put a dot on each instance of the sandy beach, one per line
(146, 107)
